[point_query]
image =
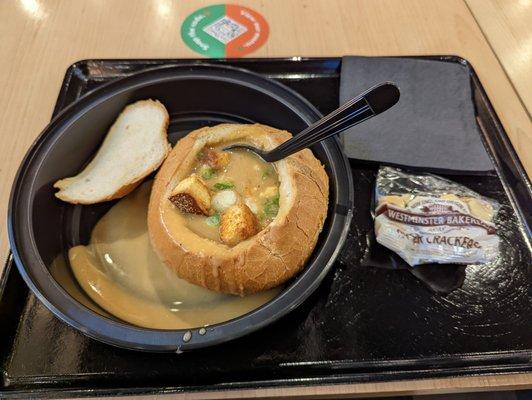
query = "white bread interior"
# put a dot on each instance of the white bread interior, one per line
(134, 147)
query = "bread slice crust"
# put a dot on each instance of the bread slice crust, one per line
(267, 259)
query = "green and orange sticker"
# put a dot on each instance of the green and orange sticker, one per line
(224, 30)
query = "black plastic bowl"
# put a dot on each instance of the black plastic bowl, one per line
(42, 228)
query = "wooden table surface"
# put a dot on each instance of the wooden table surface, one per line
(507, 26)
(40, 39)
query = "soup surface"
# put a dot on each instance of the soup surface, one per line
(119, 271)
(245, 178)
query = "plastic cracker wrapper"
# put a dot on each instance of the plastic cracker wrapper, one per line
(428, 219)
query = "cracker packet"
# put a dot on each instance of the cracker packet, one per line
(428, 219)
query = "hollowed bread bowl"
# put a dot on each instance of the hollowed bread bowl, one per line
(267, 259)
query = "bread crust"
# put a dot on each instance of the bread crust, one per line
(267, 259)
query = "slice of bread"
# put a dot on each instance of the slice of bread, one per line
(135, 146)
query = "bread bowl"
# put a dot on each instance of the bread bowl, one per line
(265, 260)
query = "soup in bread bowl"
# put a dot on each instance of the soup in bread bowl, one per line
(240, 226)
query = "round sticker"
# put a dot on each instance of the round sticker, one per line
(224, 30)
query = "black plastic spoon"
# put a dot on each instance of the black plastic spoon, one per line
(370, 103)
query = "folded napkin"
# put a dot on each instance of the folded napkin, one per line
(432, 127)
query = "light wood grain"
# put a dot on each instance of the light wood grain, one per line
(508, 27)
(365, 390)
(40, 39)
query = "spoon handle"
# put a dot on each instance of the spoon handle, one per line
(370, 103)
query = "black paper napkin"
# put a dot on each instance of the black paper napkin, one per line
(432, 127)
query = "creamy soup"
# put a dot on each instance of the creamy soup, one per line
(244, 178)
(119, 271)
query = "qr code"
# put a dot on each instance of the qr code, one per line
(225, 29)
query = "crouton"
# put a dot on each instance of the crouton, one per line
(191, 196)
(237, 223)
(216, 159)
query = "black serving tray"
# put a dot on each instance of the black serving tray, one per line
(362, 324)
